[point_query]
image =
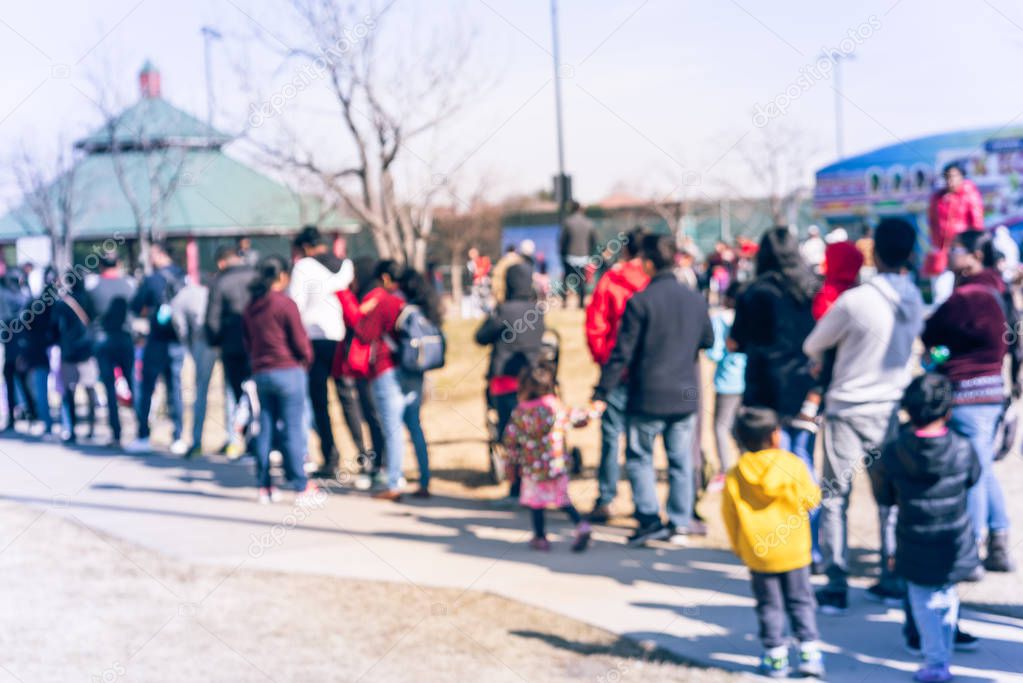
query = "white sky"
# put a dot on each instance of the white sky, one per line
(653, 85)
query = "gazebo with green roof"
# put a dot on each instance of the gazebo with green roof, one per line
(210, 196)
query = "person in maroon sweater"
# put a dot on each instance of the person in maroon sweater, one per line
(372, 322)
(279, 352)
(973, 325)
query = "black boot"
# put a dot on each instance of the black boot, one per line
(998, 557)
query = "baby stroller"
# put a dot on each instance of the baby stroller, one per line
(550, 352)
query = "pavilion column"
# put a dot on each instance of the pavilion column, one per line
(192, 259)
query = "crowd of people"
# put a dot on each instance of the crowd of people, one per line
(815, 338)
(284, 331)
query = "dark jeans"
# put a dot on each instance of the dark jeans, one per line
(319, 396)
(780, 594)
(505, 404)
(39, 385)
(612, 426)
(17, 392)
(357, 405)
(236, 371)
(575, 281)
(282, 395)
(161, 359)
(538, 517)
(115, 352)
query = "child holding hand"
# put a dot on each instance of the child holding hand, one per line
(535, 443)
(765, 507)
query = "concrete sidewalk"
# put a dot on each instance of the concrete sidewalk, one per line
(692, 601)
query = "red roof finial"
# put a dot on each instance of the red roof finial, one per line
(149, 81)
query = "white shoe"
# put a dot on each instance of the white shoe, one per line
(139, 446)
(179, 447)
(363, 482)
(276, 458)
(312, 497)
(50, 437)
(36, 429)
(267, 496)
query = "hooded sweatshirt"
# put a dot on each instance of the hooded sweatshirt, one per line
(972, 324)
(315, 280)
(872, 329)
(515, 329)
(604, 312)
(842, 263)
(929, 478)
(764, 506)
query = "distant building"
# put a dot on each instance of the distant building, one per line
(210, 197)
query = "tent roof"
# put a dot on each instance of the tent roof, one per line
(153, 122)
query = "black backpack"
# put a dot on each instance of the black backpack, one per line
(421, 344)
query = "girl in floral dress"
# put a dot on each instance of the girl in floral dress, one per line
(535, 442)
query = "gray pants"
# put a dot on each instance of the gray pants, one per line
(852, 443)
(725, 408)
(780, 594)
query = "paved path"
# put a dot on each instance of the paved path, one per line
(693, 601)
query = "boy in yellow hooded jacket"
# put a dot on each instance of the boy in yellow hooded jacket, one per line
(765, 506)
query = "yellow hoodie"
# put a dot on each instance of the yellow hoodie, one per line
(765, 506)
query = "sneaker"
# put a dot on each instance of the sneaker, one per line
(268, 495)
(832, 602)
(965, 642)
(311, 496)
(387, 494)
(541, 544)
(50, 437)
(233, 451)
(583, 534)
(716, 484)
(139, 446)
(179, 447)
(933, 674)
(36, 429)
(912, 646)
(884, 595)
(976, 575)
(811, 662)
(774, 666)
(694, 528)
(194, 452)
(655, 531)
(600, 514)
(363, 482)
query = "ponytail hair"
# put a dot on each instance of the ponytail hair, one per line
(268, 271)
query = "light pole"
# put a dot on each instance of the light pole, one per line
(562, 186)
(209, 34)
(838, 57)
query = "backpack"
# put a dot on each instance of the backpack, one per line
(421, 344)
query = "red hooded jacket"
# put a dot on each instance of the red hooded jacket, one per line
(604, 312)
(842, 263)
(367, 354)
(949, 214)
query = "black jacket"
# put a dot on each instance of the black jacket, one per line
(662, 331)
(156, 290)
(929, 479)
(72, 332)
(229, 295)
(515, 328)
(770, 328)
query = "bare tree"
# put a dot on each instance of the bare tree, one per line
(382, 102)
(51, 200)
(776, 158)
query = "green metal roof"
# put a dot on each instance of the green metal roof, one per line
(153, 122)
(215, 195)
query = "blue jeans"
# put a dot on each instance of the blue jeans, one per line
(977, 424)
(115, 352)
(390, 405)
(412, 391)
(282, 395)
(612, 425)
(936, 611)
(677, 433)
(39, 388)
(801, 443)
(204, 357)
(161, 359)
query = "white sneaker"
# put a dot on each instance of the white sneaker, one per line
(363, 482)
(179, 447)
(139, 446)
(36, 429)
(267, 496)
(312, 497)
(276, 458)
(50, 437)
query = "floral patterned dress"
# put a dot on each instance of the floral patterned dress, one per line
(535, 440)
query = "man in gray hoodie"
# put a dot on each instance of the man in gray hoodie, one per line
(872, 329)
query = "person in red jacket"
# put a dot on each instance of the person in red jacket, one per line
(603, 317)
(842, 263)
(954, 209)
(372, 322)
(280, 352)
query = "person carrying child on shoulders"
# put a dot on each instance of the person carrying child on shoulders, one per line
(765, 506)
